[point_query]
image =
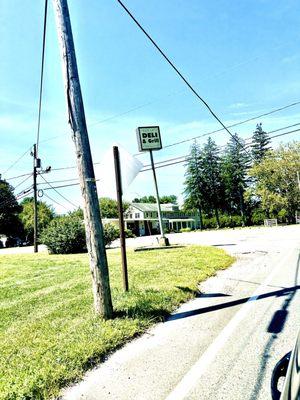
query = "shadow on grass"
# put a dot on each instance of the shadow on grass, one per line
(149, 304)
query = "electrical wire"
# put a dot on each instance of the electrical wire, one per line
(60, 181)
(62, 196)
(180, 74)
(246, 145)
(54, 201)
(187, 158)
(230, 126)
(41, 77)
(21, 183)
(14, 163)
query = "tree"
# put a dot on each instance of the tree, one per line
(276, 183)
(194, 188)
(45, 215)
(109, 207)
(144, 199)
(211, 177)
(260, 144)
(171, 198)
(234, 174)
(9, 208)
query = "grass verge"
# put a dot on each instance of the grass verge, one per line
(49, 334)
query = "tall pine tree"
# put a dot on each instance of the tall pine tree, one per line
(234, 171)
(260, 144)
(194, 188)
(211, 173)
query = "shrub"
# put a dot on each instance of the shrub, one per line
(185, 230)
(258, 217)
(129, 233)
(65, 235)
(111, 233)
(282, 215)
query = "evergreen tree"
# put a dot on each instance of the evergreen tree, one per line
(211, 175)
(234, 172)
(194, 188)
(260, 144)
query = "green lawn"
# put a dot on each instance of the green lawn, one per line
(48, 333)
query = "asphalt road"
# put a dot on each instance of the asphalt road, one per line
(225, 343)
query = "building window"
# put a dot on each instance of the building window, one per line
(130, 216)
(137, 215)
(146, 214)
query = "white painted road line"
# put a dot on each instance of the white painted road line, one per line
(190, 380)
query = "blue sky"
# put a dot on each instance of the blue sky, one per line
(243, 57)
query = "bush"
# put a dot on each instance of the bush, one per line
(111, 233)
(226, 221)
(258, 216)
(129, 233)
(282, 215)
(185, 230)
(65, 235)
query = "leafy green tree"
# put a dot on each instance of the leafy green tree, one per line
(234, 174)
(151, 199)
(45, 215)
(9, 208)
(109, 207)
(168, 199)
(211, 177)
(260, 144)
(194, 188)
(276, 183)
(144, 199)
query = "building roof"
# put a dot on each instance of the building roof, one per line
(150, 207)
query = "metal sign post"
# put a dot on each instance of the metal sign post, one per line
(121, 216)
(148, 140)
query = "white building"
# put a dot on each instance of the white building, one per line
(142, 218)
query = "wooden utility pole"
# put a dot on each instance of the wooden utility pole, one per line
(35, 210)
(93, 223)
(121, 216)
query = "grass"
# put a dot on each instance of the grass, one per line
(49, 334)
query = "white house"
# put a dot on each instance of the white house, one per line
(142, 218)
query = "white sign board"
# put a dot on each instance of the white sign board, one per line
(149, 138)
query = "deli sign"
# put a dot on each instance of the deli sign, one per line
(149, 138)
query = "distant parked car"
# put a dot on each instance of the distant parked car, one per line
(288, 368)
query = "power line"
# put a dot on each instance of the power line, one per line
(18, 176)
(54, 201)
(179, 73)
(61, 186)
(232, 125)
(62, 196)
(59, 181)
(246, 145)
(177, 160)
(14, 163)
(21, 183)
(41, 77)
